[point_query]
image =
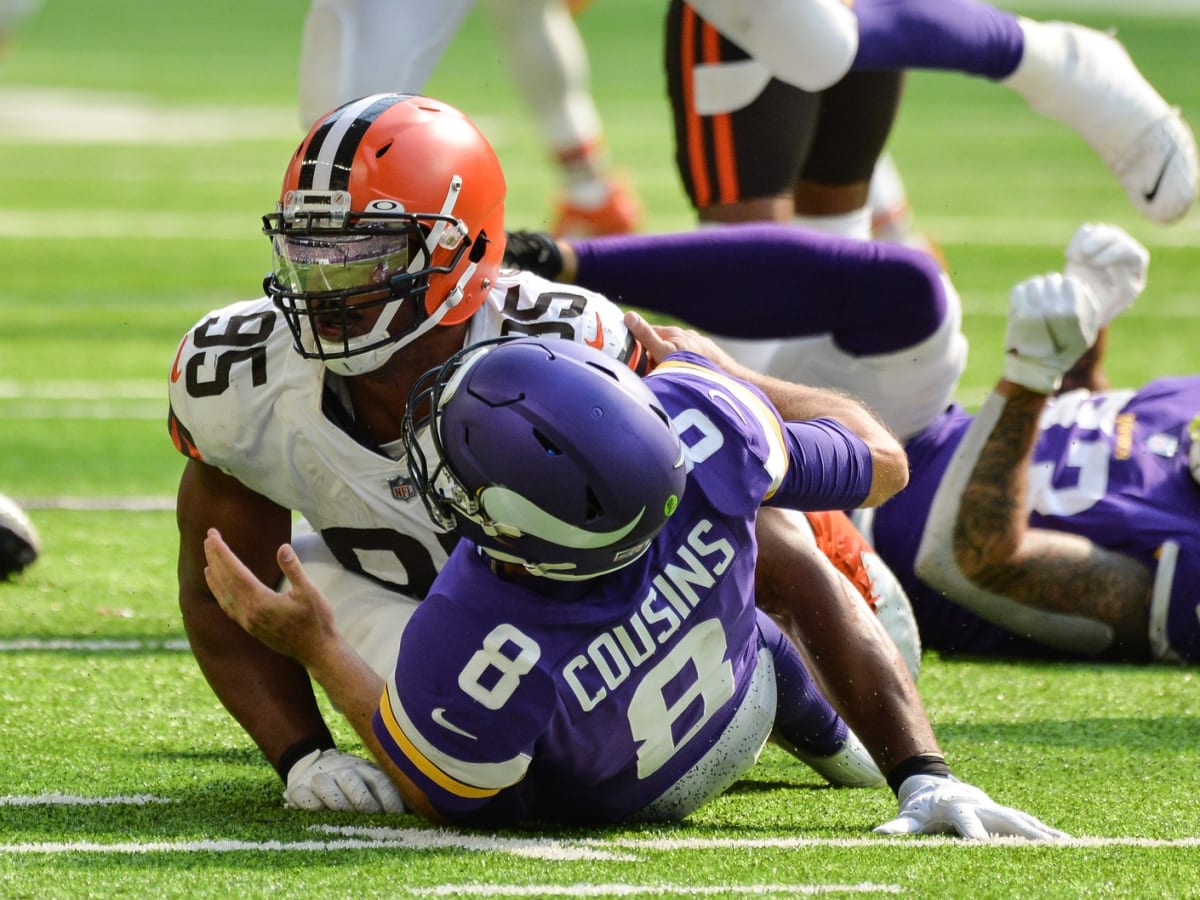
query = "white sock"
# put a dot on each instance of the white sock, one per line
(855, 224)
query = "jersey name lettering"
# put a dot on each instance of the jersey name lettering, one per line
(614, 654)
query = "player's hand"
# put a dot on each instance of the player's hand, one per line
(938, 804)
(298, 623)
(533, 251)
(1052, 321)
(1111, 263)
(331, 779)
(661, 341)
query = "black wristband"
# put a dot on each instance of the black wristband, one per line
(300, 749)
(921, 764)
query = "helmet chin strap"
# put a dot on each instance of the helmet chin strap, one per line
(369, 361)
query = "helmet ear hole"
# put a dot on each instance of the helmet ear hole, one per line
(595, 509)
(548, 445)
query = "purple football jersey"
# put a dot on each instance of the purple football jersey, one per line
(530, 699)
(1111, 467)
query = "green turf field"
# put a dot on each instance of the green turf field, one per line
(139, 144)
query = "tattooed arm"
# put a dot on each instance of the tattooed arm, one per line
(978, 548)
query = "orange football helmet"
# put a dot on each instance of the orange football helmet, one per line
(389, 198)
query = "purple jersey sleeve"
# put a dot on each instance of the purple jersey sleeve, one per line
(830, 467)
(773, 281)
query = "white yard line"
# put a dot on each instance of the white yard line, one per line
(603, 849)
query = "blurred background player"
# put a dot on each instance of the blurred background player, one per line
(12, 13)
(352, 48)
(737, 73)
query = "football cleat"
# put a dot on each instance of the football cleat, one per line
(851, 766)
(620, 213)
(1144, 142)
(20, 544)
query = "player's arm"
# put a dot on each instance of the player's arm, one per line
(757, 281)
(794, 402)
(270, 695)
(298, 626)
(1059, 588)
(978, 547)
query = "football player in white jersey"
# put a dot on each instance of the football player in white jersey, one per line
(592, 652)
(388, 239)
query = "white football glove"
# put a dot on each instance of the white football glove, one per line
(1052, 321)
(941, 804)
(1111, 263)
(331, 779)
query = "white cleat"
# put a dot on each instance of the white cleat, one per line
(1099, 92)
(851, 766)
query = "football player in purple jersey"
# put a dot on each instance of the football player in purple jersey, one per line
(592, 652)
(1057, 524)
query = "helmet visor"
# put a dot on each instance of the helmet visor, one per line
(313, 265)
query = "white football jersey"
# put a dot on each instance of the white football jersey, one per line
(243, 400)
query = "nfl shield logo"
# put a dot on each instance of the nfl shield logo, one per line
(402, 488)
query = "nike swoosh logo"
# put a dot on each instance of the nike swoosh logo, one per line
(1153, 192)
(439, 717)
(175, 372)
(598, 343)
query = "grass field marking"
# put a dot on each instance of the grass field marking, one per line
(57, 799)
(82, 389)
(552, 849)
(441, 838)
(642, 890)
(162, 503)
(44, 115)
(74, 645)
(437, 838)
(799, 843)
(402, 839)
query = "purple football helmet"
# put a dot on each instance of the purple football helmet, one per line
(545, 453)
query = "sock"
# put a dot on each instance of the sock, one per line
(855, 224)
(955, 35)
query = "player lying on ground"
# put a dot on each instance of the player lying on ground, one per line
(1057, 525)
(591, 652)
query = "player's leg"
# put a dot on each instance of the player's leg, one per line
(1081, 77)
(740, 136)
(892, 218)
(854, 120)
(549, 63)
(806, 725)
(352, 48)
(852, 554)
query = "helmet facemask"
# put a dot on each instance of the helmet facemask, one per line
(341, 279)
